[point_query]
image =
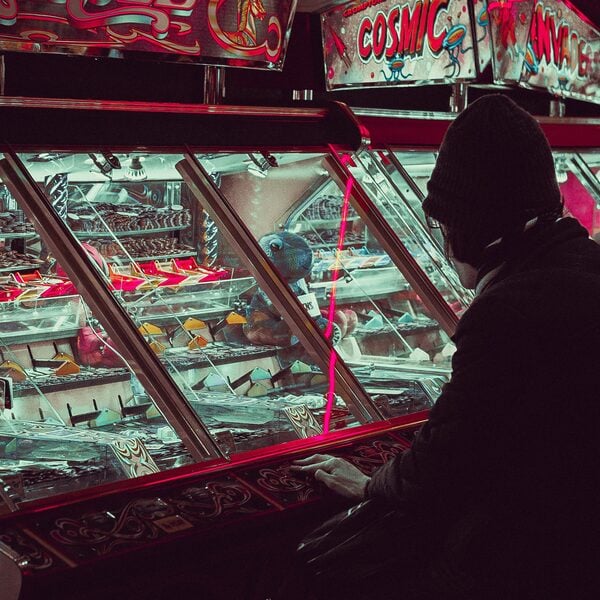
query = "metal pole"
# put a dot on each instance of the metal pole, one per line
(214, 84)
(459, 97)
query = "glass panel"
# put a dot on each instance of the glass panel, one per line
(402, 209)
(190, 296)
(72, 412)
(579, 183)
(418, 166)
(329, 258)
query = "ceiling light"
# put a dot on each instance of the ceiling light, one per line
(136, 171)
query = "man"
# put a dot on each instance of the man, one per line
(502, 483)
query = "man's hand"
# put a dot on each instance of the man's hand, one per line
(336, 473)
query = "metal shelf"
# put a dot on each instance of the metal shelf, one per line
(316, 224)
(19, 268)
(24, 235)
(31, 336)
(133, 232)
(85, 379)
(125, 259)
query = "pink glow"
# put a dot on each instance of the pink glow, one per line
(331, 309)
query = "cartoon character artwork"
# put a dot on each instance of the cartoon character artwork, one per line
(452, 43)
(243, 40)
(291, 255)
(395, 66)
(483, 20)
(531, 62)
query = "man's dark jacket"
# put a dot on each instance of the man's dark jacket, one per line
(507, 469)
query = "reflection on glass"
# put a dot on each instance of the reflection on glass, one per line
(72, 412)
(577, 176)
(191, 297)
(347, 283)
(401, 205)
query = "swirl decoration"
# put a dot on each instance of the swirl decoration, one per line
(243, 40)
(8, 12)
(82, 19)
(280, 480)
(371, 457)
(157, 17)
(213, 500)
(135, 35)
(103, 532)
(132, 454)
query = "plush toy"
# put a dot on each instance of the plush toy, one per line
(292, 257)
(94, 349)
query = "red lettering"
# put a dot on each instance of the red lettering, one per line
(422, 27)
(435, 41)
(409, 29)
(379, 35)
(540, 34)
(365, 37)
(565, 48)
(555, 40)
(393, 18)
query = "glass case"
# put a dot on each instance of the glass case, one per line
(208, 310)
(73, 412)
(348, 284)
(164, 307)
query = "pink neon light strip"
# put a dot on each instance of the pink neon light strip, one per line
(331, 310)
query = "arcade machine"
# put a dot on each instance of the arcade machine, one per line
(183, 315)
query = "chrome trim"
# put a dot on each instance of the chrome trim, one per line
(351, 122)
(386, 113)
(115, 320)
(396, 250)
(416, 190)
(284, 300)
(214, 84)
(161, 107)
(20, 559)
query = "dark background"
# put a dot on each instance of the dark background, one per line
(64, 76)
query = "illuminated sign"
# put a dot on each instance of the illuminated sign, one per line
(382, 42)
(533, 43)
(545, 44)
(228, 32)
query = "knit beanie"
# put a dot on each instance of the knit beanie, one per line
(494, 172)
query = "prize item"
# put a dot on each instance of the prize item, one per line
(293, 258)
(148, 330)
(93, 349)
(15, 371)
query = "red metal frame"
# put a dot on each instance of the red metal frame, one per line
(424, 130)
(252, 457)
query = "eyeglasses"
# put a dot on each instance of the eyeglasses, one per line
(433, 223)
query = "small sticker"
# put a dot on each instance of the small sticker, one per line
(173, 524)
(303, 421)
(310, 303)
